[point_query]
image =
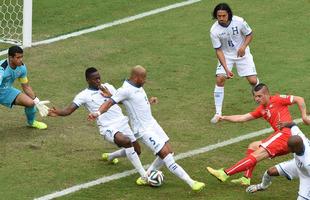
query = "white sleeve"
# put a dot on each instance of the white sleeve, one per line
(79, 99)
(296, 131)
(216, 43)
(245, 28)
(120, 95)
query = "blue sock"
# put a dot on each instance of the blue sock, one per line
(30, 114)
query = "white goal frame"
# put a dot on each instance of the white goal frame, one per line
(25, 38)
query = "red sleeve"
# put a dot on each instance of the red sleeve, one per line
(257, 112)
(284, 99)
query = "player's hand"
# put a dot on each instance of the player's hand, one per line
(52, 112)
(229, 74)
(221, 118)
(92, 116)
(104, 91)
(153, 100)
(41, 107)
(241, 52)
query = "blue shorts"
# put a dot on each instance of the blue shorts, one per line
(7, 96)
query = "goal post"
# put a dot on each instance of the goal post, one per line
(27, 23)
(16, 22)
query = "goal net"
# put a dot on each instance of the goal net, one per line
(16, 22)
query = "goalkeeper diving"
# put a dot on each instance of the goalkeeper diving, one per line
(11, 69)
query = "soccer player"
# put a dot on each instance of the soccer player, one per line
(13, 68)
(273, 109)
(230, 36)
(298, 167)
(113, 125)
(144, 126)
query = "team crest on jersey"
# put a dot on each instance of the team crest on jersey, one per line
(267, 113)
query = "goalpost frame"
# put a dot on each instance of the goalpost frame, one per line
(27, 23)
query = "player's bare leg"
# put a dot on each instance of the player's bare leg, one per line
(253, 80)
(266, 181)
(218, 97)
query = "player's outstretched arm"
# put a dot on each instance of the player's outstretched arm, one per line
(103, 108)
(54, 112)
(237, 118)
(302, 108)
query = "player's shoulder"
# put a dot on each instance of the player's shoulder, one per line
(215, 27)
(4, 63)
(236, 18)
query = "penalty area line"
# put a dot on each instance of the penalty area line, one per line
(180, 156)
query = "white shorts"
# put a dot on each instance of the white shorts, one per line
(154, 137)
(245, 66)
(108, 132)
(290, 171)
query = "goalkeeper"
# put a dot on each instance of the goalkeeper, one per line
(13, 68)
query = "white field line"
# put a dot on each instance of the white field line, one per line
(187, 154)
(113, 23)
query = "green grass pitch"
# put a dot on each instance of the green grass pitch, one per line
(176, 49)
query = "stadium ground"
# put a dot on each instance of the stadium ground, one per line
(176, 49)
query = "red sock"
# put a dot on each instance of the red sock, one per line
(244, 164)
(248, 173)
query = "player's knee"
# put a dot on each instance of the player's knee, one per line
(220, 81)
(122, 140)
(137, 147)
(164, 152)
(272, 171)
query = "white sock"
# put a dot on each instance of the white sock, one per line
(266, 180)
(135, 160)
(156, 164)
(177, 170)
(116, 154)
(218, 99)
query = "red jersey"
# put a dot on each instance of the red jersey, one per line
(275, 111)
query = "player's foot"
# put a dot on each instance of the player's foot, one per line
(105, 157)
(38, 125)
(215, 119)
(198, 186)
(256, 188)
(218, 173)
(242, 181)
(141, 181)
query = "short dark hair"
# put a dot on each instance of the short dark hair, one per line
(89, 71)
(222, 6)
(14, 50)
(259, 86)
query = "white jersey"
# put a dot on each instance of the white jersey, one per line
(230, 38)
(137, 105)
(303, 161)
(299, 167)
(93, 99)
